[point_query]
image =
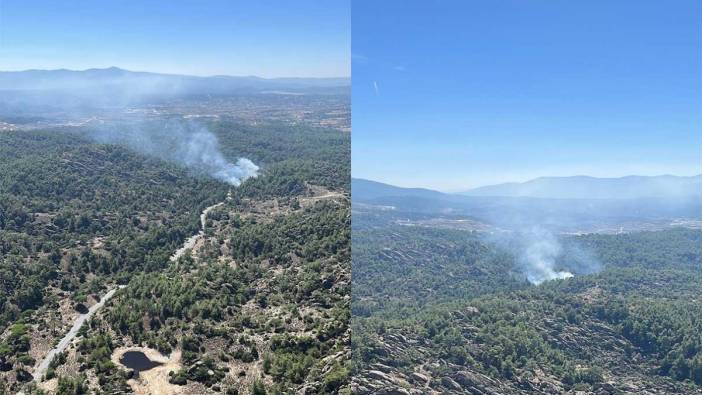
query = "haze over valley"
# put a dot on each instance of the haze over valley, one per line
(199, 225)
(565, 205)
(555, 285)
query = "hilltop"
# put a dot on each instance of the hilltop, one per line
(585, 187)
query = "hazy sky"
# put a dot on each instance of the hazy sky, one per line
(457, 94)
(281, 38)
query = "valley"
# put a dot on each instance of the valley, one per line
(566, 216)
(107, 248)
(444, 302)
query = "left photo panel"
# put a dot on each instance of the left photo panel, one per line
(175, 197)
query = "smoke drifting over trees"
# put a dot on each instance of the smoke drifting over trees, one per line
(56, 96)
(542, 255)
(538, 258)
(184, 142)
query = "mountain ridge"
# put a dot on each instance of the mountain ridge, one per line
(117, 71)
(114, 86)
(370, 189)
(581, 186)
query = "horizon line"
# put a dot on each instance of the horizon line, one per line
(521, 182)
(348, 77)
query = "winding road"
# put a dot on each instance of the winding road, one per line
(43, 365)
(190, 242)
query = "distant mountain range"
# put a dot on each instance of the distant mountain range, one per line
(576, 187)
(568, 204)
(114, 79)
(368, 190)
(584, 187)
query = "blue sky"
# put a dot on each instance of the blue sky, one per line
(457, 94)
(302, 38)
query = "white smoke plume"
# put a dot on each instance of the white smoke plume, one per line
(201, 150)
(185, 142)
(541, 249)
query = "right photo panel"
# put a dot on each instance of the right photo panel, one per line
(526, 197)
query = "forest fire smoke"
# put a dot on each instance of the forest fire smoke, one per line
(186, 143)
(538, 258)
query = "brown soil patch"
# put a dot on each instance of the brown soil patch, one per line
(153, 381)
(49, 386)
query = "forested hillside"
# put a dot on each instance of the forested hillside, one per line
(69, 208)
(454, 318)
(78, 218)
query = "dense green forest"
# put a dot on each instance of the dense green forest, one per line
(60, 194)
(78, 217)
(291, 154)
(401, 269)
(451, 315)
(207, 305)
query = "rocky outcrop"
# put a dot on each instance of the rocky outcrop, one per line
(406, 364)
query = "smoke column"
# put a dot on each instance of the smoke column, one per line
(200, 150)
(184, 142)
(538, 259)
